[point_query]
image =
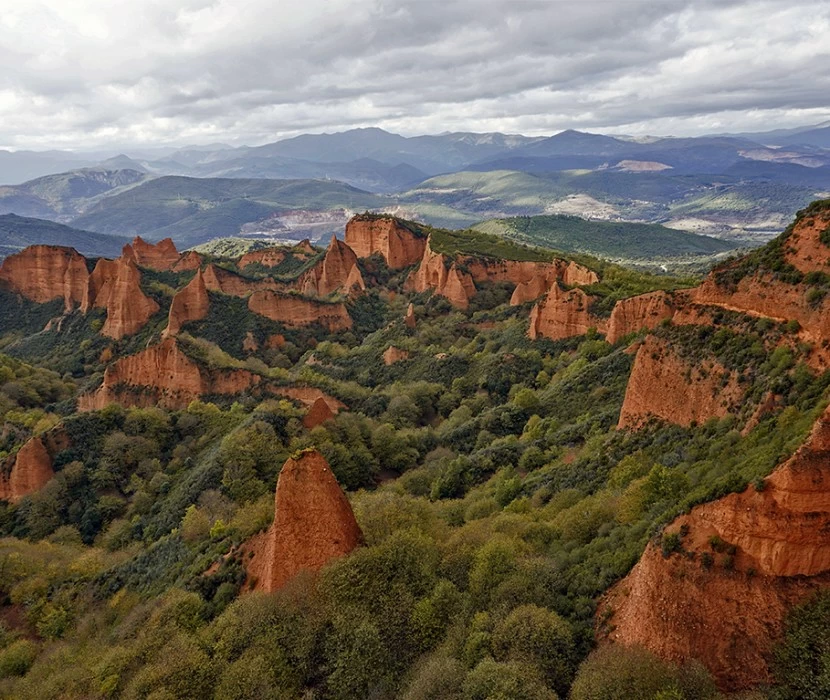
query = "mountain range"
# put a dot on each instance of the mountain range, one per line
(742, 188)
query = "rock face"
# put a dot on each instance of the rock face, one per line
(805, 250)
(729, 619)
(190, 304)
(268, 257)
(308, 396)
(338, 270)
(31, 469)
(636, 313)
(190, 260)
(530, 290)
(313, 524)
(318, 414)
(399, 246)
(409, 320)
(563, 314)
(664, 385)
(116, 286)
(163, 375)
(41, 273)
(393, 355)
(294, 311)
(161, 256)
(439, 273)
(218, 279)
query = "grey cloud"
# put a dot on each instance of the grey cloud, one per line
(195, 70)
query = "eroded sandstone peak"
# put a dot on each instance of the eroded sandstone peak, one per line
(318, 414)
(294, 310)
(117, 286)
(313, 524)
(189, 304)
(159, 256)
(42, 273)
(773, 554)
(664, 385)
(398, 245)
(563, 313)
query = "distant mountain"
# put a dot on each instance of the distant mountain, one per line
(65, 195)
(364, 173)
(817, 135)
(196, 210)
(17, 232)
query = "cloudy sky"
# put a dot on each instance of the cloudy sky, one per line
(107, 73)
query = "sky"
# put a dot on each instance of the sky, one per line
(85, 74)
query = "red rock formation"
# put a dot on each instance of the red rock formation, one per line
(31, 469)
(523, 271)
(275, 342)
(116, 286)
(409, 320)
(804, 249)
(664, 385)
(294, 311)
(308, 396)
(399, 246)
(530, 290)
(268, 257)
(190, 304)
(724, 617)
(43, 272)
(313, 524)
(218, 279)
(439, 273)
(338, 270)
(637, 313)
(393, 355)
(190, 260)
(304, 247)
(160, 256)
(318, 414)
(163, 375)
(563, 314)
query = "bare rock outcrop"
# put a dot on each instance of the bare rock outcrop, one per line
(115, 285)
(338, 270)
(392, 355)
(440, 273)
(190, 304)
(634, 314)
(563, 313)
(190, 260)
(42, 273)
(31, 468)
(399, 246)
(267, 257)
(294, 311)
(409, 319)
(730, 614)
(318, 414)
(805, 250)
(161, 256)
(664, 385)
(163, 375)
(313, 524)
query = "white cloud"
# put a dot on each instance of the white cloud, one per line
(91, 73)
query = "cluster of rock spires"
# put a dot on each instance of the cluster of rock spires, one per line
(727, 619)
